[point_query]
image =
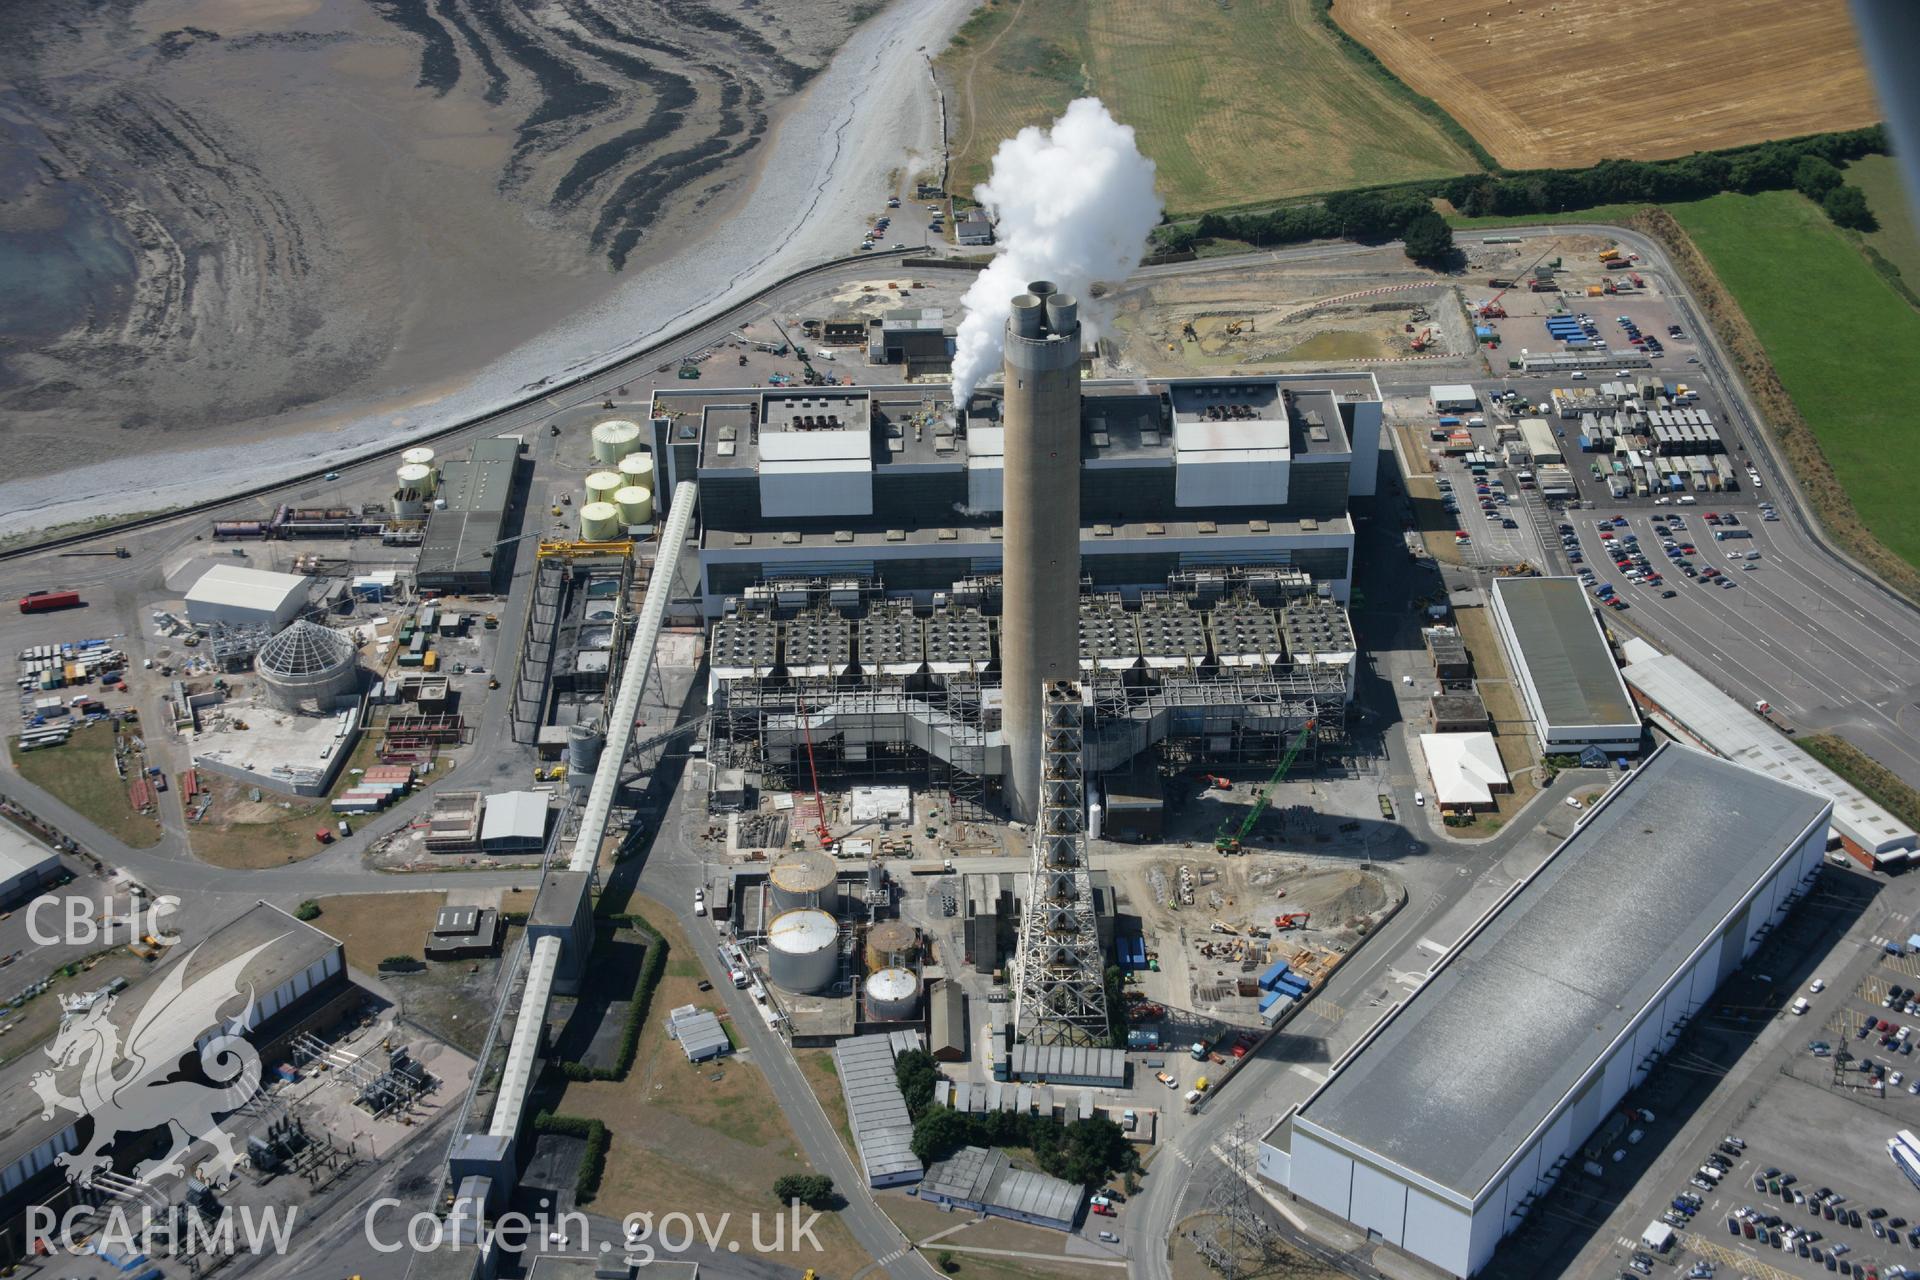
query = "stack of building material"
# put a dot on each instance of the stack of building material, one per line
(375, 789)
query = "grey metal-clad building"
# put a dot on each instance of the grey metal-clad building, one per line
(1566, 672)
(699, 1032)
(883, 482)
(985, 1181)
(461, 545)
(877, 1111)
(1537, 1024)
(1065, 1064)
(947, 1039)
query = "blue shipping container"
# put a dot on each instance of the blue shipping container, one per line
(1270, 999)
(1275, 971)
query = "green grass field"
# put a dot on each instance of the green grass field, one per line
(1235, 103)
(1840, 338)
(80, 773)
(1898, 239)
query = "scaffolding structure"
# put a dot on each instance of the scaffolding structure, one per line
(570, 580)
(886, 689)
(1059, 982)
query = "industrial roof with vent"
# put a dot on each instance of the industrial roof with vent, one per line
(892, 640)
(959, 640)
(744, 644)
(1729, 729)
(1563, 659)
(817, 644)
(1522, 1011)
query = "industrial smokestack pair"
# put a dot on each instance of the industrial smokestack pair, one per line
(1040, 611)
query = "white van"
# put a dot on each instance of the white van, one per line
(1801, 1005)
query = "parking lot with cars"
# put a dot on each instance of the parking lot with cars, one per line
(1752, 638)
(1491, 511)
(1773, 1147)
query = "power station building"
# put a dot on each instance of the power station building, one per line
(1531, 1031)
(889, 485)
(891, 581)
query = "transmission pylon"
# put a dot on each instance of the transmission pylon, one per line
(1060, 988)
(1241, 1238)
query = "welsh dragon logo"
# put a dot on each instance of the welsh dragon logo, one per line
(126, 1086)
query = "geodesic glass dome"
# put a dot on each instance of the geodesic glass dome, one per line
(307, 663)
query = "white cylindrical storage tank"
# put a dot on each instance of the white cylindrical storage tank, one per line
(602, 485)
(409, 505)
(583, 750)
(614, 439)
(804, 880)
(599, 522)
(803, 951)
(418, 456)
(635, 503)
(417, 476)
(893, 995)
(637, 468)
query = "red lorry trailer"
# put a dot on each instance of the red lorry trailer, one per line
(42, 601)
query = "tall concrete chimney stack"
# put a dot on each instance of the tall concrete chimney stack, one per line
(1040, 609)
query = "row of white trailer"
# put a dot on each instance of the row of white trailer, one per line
(1640, 473)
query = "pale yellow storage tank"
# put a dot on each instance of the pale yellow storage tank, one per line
(638, 468)
(614, 439)
(417, 476)
(635, 503)
(419, 456)
(602, 485)
(599, 522)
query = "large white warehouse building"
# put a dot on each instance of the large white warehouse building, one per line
(1680, 700)
(1440, 1132)
(234, 595)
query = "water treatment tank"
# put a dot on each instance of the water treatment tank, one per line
(893, 995)
(891, 944)
(637, 468)
(803, 951)
(416, 476)
(614, 439)
(419, 456)
(635, 503)
(599, 522)
(804, 880)
(602, 485)
(583, 750)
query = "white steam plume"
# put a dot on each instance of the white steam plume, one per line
(1074, 205)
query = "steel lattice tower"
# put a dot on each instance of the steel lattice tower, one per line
(1060, 990)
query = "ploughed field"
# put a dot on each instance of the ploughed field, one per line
(1548, 83)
